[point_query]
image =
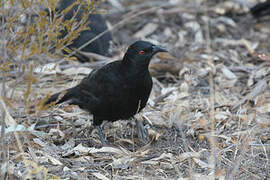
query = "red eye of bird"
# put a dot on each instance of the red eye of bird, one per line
(141, 52)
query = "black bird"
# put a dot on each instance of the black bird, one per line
(261, 9)
(117, 90)
(96, 26)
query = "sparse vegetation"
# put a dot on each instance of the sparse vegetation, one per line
(208, 113)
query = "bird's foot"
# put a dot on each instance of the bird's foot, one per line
(142, 132)
(101, 136)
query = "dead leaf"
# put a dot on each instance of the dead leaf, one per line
(146, 30)
(80, 150)
(264, 57)
(100, 176)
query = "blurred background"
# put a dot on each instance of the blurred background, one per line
(208, 116)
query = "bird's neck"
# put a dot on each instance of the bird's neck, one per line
(137, 66)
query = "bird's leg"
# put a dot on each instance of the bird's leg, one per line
(101, 136)
(141, 131)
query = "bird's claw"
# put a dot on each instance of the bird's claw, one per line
(142, 132)
(101, 136)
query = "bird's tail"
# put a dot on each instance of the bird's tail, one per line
(59, 97)
(261, 9)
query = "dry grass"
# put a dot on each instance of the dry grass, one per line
(208, 114)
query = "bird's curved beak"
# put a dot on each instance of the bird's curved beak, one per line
(157, 49)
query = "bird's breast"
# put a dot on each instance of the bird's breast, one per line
(131, 96)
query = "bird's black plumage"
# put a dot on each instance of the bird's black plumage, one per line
(261, 9)
(96, 26)
(119, 89)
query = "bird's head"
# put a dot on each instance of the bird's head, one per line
(141, 52)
